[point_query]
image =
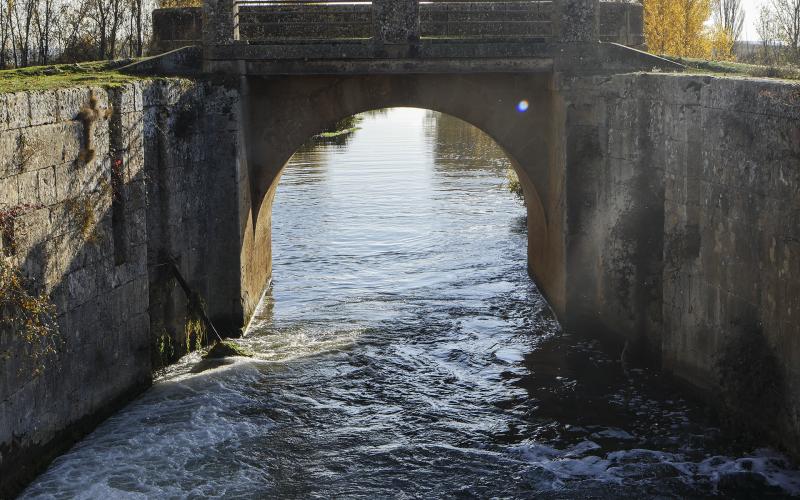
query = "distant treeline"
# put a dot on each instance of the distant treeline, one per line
(41, 32)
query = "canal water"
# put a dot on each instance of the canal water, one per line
(403, 352)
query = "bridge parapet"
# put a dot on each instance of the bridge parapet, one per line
(267, 37)
(400, 21)
(273, 30)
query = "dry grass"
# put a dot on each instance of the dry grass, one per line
(739, 69)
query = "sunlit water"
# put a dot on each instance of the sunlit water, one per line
(404, 353)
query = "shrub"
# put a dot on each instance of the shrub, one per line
(27, 314)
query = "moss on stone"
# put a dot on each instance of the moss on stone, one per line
(227, 349)
(738, 69)
(331, 135)
(99, 74)
(514, 185)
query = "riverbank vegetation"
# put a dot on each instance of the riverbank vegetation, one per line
(344, 127)
(514, 185)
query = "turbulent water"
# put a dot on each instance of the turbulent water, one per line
(403, 352)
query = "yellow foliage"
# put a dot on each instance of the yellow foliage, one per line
(722, 43)
(678, 27)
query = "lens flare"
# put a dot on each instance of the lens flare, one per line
(523, 106)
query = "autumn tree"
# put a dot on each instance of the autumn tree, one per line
(722, 43)
(678, 27)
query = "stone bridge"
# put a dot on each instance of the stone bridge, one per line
(657, 202)
(612, 153)
(306, 65)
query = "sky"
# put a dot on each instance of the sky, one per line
(750, 17)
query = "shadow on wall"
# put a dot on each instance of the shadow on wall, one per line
(752, 385)
(93, 241)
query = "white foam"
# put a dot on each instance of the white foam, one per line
(618, 466)
(142, 451)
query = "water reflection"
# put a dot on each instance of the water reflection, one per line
(459, 148)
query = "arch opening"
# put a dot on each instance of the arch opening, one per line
(279, 126)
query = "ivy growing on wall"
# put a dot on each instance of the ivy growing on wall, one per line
(24, 312)
(82, 214)
(29, 315)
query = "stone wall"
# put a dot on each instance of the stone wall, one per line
(90, 232)
(621, 22)
(686, 236)
(176, 27)
(672, 204)
(190, 152)
(730, 150)
(617, 22)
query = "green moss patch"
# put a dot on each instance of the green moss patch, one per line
(99, 74)
(338, 133)
(227, 349)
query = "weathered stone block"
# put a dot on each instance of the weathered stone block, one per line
(9, 153)
(33, 228)
(120, 303)
(29, 187)
(70, 101)
(67, 183)
(40, 147)
(577, 20)
(9, 192)
(131, 97)
(73, 140)
(18, 109)
(3, 113)
(47, 186)
(43, 107)
(82, 287)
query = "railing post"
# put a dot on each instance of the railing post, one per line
(576, 20)
(395, 21)
(219, 23)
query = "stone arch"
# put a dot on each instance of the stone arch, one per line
(282, 113)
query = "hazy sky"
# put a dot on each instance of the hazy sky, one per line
(750, 16)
